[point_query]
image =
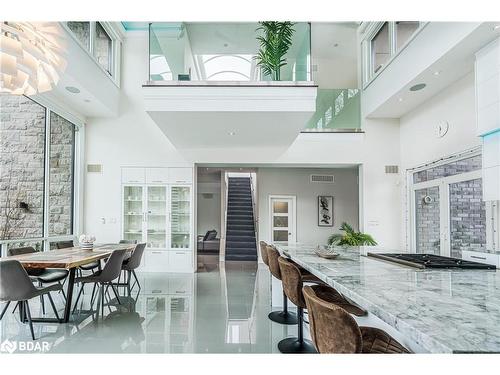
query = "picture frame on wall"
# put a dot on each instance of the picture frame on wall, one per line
(325, 211)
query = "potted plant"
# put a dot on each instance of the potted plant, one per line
(274, 44)
(350, 237)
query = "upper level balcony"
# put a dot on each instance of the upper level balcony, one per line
(206, 88)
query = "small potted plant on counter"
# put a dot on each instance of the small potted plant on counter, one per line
(350, 238)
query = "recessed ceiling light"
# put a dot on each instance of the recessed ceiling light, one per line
(497, 27)
(437, 72)
(231, 133)
(418, 87)
(225, 44)
(86, 100)
(400, 99)
(73, 90)
(336, 45)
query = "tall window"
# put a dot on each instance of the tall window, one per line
(82, 32)
(22, 162)
(36, 167)
(381, 48)
(404, 31)
(61, 161)
(103, 48)
(449, 214)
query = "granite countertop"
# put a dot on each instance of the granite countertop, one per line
(443, 311)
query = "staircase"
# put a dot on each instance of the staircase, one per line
(240, 224)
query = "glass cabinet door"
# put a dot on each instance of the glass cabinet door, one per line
(157, 217)
(180, 220)
(133, 213)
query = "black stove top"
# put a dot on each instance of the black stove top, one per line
(431, 261)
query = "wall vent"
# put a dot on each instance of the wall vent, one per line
(323, 178)
(94, 168)
(391, 169)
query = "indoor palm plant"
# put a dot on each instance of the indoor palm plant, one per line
(274, 44)
(350, 237)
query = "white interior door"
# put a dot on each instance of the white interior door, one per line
(283, 219)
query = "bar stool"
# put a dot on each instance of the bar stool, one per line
(333, 330)
(292, 285)
(284, 316)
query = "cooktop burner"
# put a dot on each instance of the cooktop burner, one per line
(431, 261)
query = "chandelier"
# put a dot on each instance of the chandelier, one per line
(30, 57)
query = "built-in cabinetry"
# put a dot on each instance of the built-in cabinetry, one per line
(158, 210)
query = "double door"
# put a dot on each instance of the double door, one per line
(159, 215)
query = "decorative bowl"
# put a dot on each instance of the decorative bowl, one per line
(87, 246)
(326, 252)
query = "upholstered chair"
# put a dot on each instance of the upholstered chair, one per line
(263, 252)
(334, 330)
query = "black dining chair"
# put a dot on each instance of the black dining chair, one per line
(132, 242)
(103, 279)
(16, 285)
(131, 264)
(41, 275)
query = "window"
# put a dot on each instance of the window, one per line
(381, 48)
(448, 211)
(98, 42)
(404, 31)
(36, 174)
(103, 48)
(61, 161)
(22, 158)
(82, 32)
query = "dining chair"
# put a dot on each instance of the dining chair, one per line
(16, 285)
(131, 264)
(41, 275)
(103, 279)
(132, 242)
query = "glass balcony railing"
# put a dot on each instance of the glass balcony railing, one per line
(337, 110)
(220, 52)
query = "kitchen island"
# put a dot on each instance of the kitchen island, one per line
(437, 310)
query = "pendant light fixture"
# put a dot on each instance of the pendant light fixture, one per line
(31, 58)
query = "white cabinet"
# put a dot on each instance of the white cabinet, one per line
(133, 175)
(160, 215)
(157, 175)
(180, 175)
(180, 261)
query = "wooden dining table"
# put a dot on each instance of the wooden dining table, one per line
(70, 259)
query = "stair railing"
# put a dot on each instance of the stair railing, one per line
(226, 200)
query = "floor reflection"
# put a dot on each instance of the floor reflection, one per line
(223, 311)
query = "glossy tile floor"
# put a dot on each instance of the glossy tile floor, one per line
(222, 311)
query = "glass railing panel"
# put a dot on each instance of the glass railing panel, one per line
(220, 52)
(336, 109)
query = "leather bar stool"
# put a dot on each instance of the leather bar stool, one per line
(333, 330)
(284, 316)
(293, 280)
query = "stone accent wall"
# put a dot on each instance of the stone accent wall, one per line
(22, 141)
(427, 221)
(61, 175)
(22, 164)
(467, 217)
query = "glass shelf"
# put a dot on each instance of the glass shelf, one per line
(180, 219)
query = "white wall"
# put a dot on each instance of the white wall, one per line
(209, 208)
(455, 104)
(131, 139)
(296, 181)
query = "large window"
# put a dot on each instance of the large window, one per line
(103, 48)
(382, 41)
(97, 41)
(448, 211)
(36, 173)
